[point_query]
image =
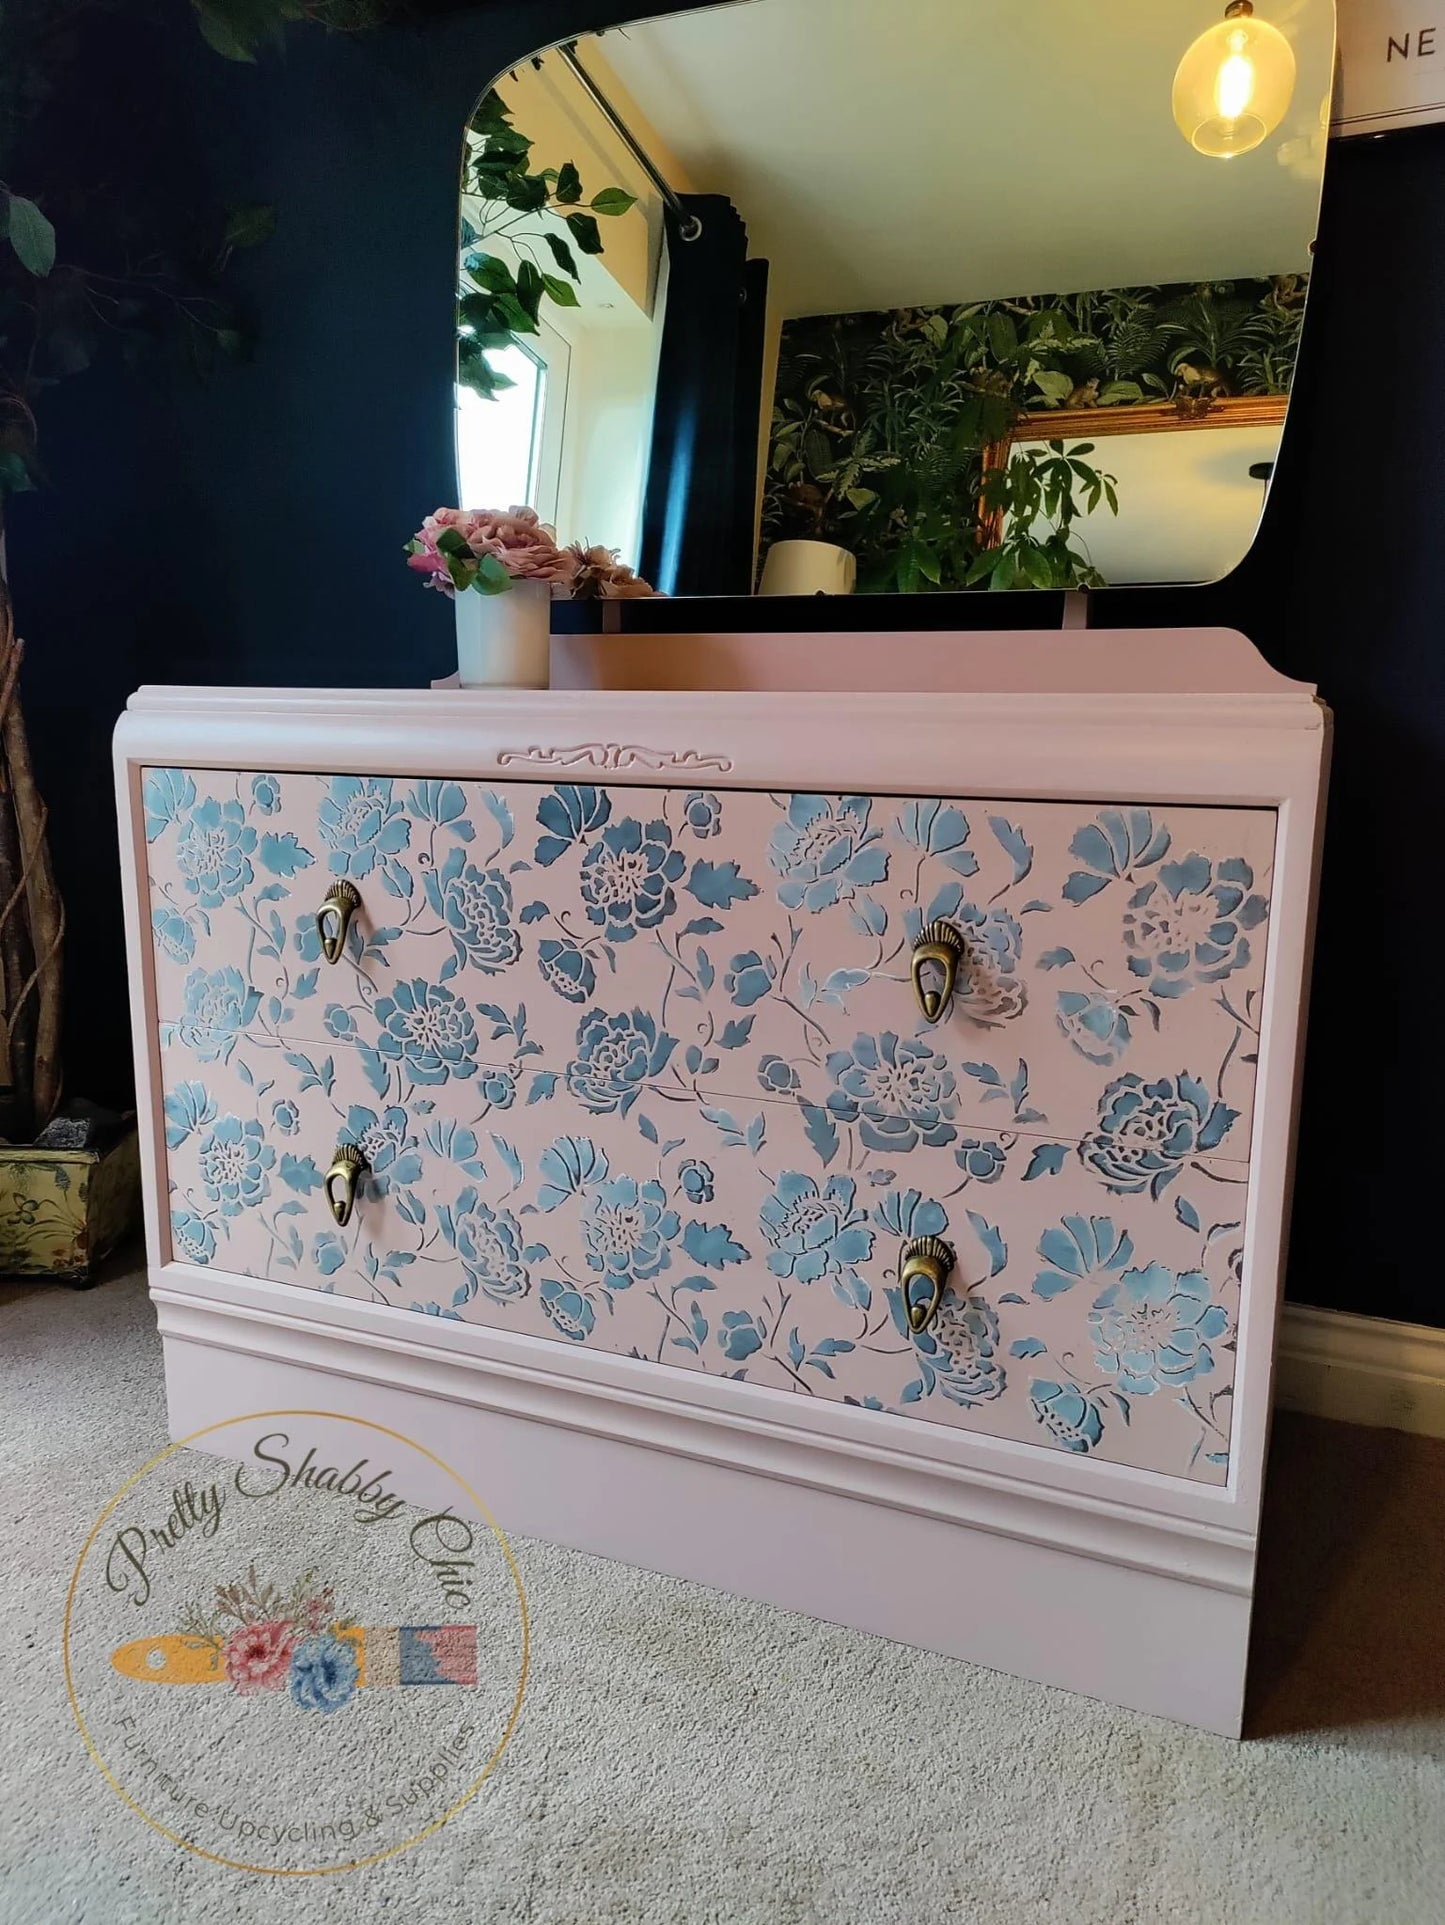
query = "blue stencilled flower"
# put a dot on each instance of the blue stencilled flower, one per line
(166, 794)
(908, 1213)
(567, 1310)
(1190, 925)
(814, 1232)
(568, 813)
(615, 1057)
(266, 793)
(1095, 1025)
(825, 852)
(214, 853)
(307, 937)
(235, 1161)
(696, 1180)
(476, 906)
(323, 1673)
(328, 1252)
(567, 969)
(428, 1030)
(361, 824)
(489, 1243)
(498, 1087)
(627, 1227)
(339, 1022)
(392, 1153)
(747, 979)
(188, 1108)
(740, 1335)
(286, 1116)
(217, 1005)
(1152, 1329)
(193, 1238)
(702, 813)
(1115, 844)
(957, 1355)
(777, 1077)
(1080, 1247)
(897, 1091)
(1071, 1419)
(627, 878)
(174, 934)
(988, 988)
(1148, 1132)
(981, 1158)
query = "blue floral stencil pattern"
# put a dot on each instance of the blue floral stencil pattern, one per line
(640, 1070)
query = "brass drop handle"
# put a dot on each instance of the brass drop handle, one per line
(348, 1167)
(940, 947)
(333, 918)
(932, 1260)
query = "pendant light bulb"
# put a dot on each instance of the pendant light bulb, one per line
(1234, 85)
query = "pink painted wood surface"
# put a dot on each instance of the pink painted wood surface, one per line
(581, 1118)
(1133, 661)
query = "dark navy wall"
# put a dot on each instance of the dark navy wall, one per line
(249, 531)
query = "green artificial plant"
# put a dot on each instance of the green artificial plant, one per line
(528, 211)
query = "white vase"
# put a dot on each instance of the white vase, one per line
(504, 641)
(808, 568)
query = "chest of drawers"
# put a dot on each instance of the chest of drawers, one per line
(833, 1145)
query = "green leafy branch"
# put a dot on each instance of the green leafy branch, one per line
(497, 304)
(1056, 487)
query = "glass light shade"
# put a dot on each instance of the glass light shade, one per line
(1233, 86)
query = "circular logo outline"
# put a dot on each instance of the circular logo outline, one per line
(355, 1864)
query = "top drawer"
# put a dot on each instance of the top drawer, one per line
(758, 945)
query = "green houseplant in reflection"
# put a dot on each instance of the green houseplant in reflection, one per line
(499, 302)
(1052, 487)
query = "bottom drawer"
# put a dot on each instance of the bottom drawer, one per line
(762, 1244)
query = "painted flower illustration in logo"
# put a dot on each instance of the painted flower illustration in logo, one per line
(1191, 925)
(1152, 1329)
(214, 854)
(897, 1091)
(626, 1227)
(814, 1232)
(615, 1057)
(258, 1656)
(476, 907)
(825, 852)
(361, 824)
(323, 1673)
(1072, 1420)
(489, 1243)
(235, 1162)
(1148, 1132)
(428, 1030)
(217, 1005)
(627, 878)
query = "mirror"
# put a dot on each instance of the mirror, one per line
(796, 296)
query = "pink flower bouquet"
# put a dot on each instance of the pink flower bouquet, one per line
(460, 548)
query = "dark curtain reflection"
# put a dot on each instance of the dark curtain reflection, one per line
(699, 504)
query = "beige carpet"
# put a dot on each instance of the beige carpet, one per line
(685, 1757)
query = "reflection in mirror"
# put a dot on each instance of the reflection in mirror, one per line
(772, 297)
